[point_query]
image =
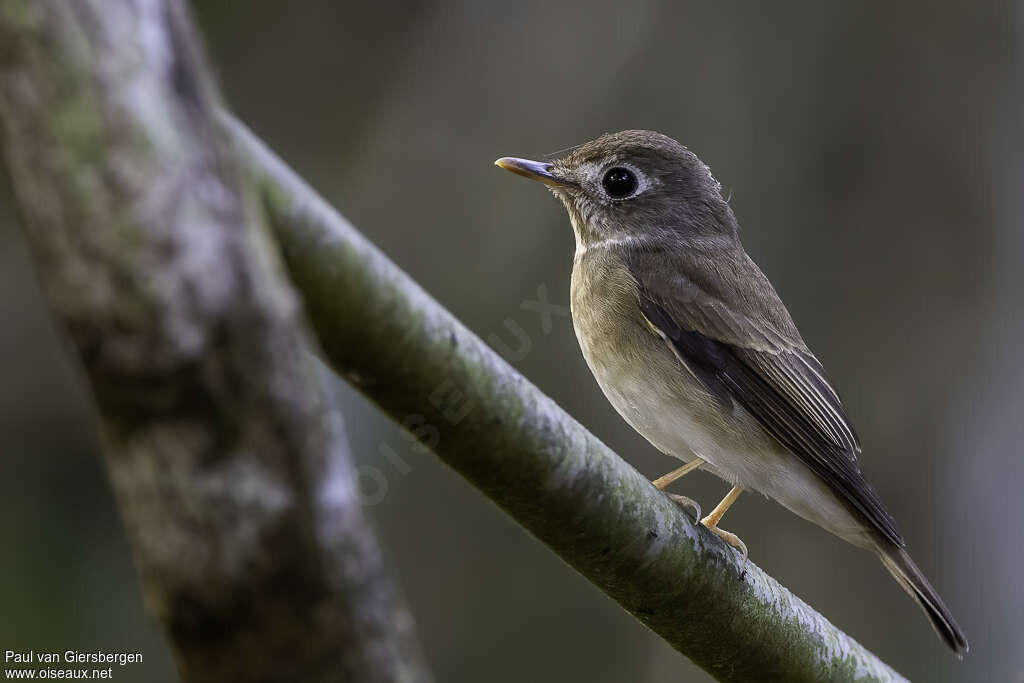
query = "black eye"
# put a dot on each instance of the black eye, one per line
(619, 182)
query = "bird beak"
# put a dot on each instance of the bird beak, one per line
(534, 170)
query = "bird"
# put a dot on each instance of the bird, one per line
(693, 347)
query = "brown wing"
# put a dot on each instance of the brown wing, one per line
(771, 373)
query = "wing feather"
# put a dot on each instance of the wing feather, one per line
(774, 377)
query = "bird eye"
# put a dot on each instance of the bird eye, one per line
(619, 182)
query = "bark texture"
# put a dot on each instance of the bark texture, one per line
(230, 468)
(402, 349)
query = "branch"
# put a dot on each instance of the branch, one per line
(386, 336)
(230, 469)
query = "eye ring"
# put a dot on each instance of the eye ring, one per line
(619, 182)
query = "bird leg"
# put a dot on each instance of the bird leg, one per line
(712, 520)
(661, 482)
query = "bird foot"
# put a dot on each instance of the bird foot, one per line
(683, 501)
(727, 536)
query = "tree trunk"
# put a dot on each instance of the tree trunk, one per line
(230, 468)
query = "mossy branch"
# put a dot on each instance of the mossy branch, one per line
(402, 349)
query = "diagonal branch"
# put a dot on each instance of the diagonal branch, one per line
(230, 468)
(386, 336)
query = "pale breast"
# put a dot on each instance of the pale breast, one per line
(637, 371)
(651, 388)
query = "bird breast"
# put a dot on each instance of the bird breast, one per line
(651, 388)
(637, 371)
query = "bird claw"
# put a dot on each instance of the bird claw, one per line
(683, 501)
(730, 538)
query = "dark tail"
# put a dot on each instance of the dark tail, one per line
(903, 569)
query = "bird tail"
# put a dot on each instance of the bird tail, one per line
(903, 569)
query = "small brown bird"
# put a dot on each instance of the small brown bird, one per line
(693, 347)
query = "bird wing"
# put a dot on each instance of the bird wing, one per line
(743, 357)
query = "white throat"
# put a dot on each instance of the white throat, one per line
(624, 240)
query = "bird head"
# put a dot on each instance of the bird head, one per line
(635, 185)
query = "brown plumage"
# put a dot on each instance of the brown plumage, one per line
(693, 347)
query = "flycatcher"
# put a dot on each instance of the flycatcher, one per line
(693, 347)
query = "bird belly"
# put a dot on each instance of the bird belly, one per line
(670, 407)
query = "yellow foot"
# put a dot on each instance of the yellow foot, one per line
(727, 536)
(661, 482)
(683, 501)
(712, 520)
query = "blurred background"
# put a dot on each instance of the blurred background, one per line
(873, 155)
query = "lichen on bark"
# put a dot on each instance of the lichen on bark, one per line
(230, 467)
